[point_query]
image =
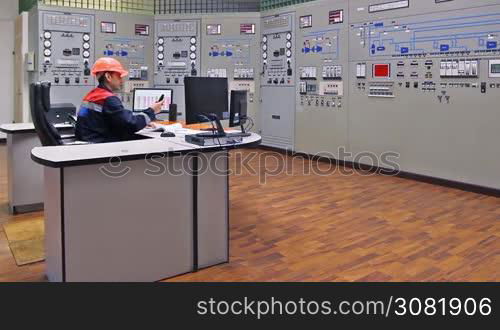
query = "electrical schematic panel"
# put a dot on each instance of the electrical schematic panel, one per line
(423, 83)
(320, 67)
(278, 50)
(177, 51)
(321, 118)
(230, 50)
(427, 53)
(65, 48)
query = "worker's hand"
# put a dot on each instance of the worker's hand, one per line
(151, 125)
(157, 106)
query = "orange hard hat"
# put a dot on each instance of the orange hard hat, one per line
(108, 64)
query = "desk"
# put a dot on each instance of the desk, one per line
(135, 221)
(24, 177)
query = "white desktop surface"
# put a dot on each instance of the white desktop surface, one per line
(68, 154)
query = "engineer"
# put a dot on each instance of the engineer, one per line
(102, 117)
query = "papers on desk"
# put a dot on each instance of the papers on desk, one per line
(169, 128)
(177, 129)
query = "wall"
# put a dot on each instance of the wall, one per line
(8, 13)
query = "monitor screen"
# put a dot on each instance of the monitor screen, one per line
(238, 109)
(205, 95)
(145, 97)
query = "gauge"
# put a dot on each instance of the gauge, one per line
(86, 37)
(192, 56)
(288, 36)
(264, 47)
(47, 52)
(47, 35)
(86, 54)
(160, 56)
(264, 39)
(86, 45)
(47, 44)
(264, 55)
(192, 48)
(160, 49)
(193, 40)
(289, 53)
(160, 41)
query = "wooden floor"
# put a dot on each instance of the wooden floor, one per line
(306, 227)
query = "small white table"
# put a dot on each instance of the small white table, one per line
(24, 177)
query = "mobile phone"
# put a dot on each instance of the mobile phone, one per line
(161, 97)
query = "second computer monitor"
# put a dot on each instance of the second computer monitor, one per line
(238, 111)
(205, 95)
(146, 97)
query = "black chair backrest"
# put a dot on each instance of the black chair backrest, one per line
(40, 105)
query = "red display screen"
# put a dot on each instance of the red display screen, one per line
(381, 70)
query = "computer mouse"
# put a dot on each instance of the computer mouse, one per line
(158, 129)
(167, 134)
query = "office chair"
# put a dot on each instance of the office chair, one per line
(40, 106)
(72, 120)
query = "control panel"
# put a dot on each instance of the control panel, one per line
(278, 51)
(321, 81)
(127, 38)
(66, 48)
(424, 82)
(277, 80)
(177, 51)
(230, 49)
(322, 75)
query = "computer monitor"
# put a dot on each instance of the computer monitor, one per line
(238, 112)
(205, 95)
(145, 97)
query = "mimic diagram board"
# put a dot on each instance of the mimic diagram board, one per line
(431, 34)
(230, 54)
(125, 48)
(322, 42)
(424, 87)
(236, 50)
(321, 60)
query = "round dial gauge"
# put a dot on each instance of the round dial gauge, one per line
(288, 36)
(160, 49)
(47, 35)
(288, 44)
(47, 52)
(289, 53)
(86, 37)
(264, 47)
(160, 56)
(192, 48)
(161, 41)
(47, 44)
(86, 54)
(264, 55)
(192, 56)
(86, 45)
(193, 40)
(264, 39)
